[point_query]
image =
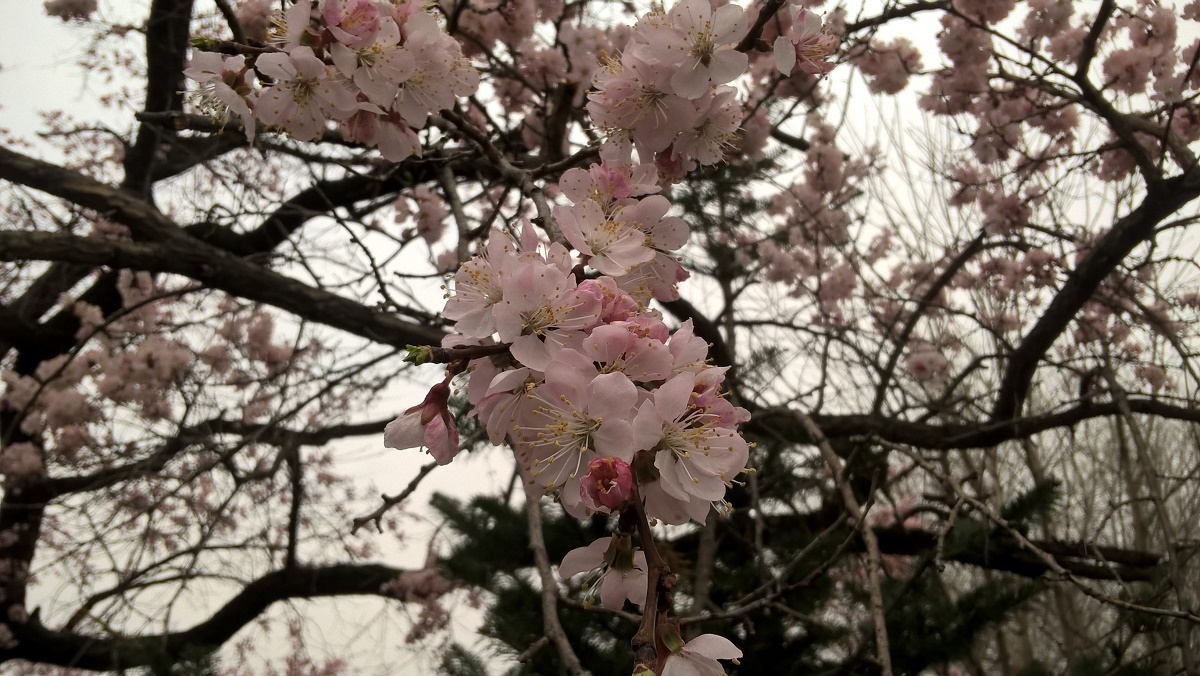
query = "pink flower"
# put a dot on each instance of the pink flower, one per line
(699, 42)
(609, 183)
(377, 69)
(888, 65)
(608, 485)
(370, 126)
(719, 116)
(635, 95)
(695, 458)
(805, 43)
(303, 95)
(625, 347)
(540, 303)
(613, 245)
(439, 75)
(698, 657)
(657, 279)
(427, 424)
(649, 215)
(478, 287)
(224, 83)
(354, 23)
(622, 570)
(581, 416)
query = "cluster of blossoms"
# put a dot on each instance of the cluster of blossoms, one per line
(604, 406)
(377, 68)
(667, 96)
(585, 381)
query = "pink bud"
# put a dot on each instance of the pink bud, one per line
(428, 424)
(608, 484)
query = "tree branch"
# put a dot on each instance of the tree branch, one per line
(224, 271)
(1131, 230)
(36, 643)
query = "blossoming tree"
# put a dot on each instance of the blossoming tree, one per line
(787, 393)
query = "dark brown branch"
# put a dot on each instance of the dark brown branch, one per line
(167, 32)
(37, 643)
(269, 434)
(768, 11)
(144, 221)
(897, 12)
(781, 423)
(223, 271)
(1131, 230)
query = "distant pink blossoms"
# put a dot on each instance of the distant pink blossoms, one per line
(376, 69)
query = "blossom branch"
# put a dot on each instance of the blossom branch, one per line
(220, 270)
(659, 582)
(1136, 227)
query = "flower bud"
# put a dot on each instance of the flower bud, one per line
(608, 485)
(427, 424)
(418, 354)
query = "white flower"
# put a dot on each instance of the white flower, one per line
(698, 657)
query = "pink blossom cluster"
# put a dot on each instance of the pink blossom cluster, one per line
(666, 95)
(601, 402)
(804, 43)
(888, 65)
(378, 69)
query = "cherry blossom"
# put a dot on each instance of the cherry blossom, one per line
(377, 68)
(581, 416)
(440, 74)
(303, 96)
(427, 424)
(621, 570)
(224, 84)
(608, 485)
(478, 287)
(539, 303)
(613, 246)
(804, 43)
(698, 657)
(694, 457)
(699, 41)
(354, 23)
(634, 96)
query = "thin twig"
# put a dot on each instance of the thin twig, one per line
(940, 546)
(532, 650)
(550, 623)
(1047, 560)
(390, 501)
(874, 558)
